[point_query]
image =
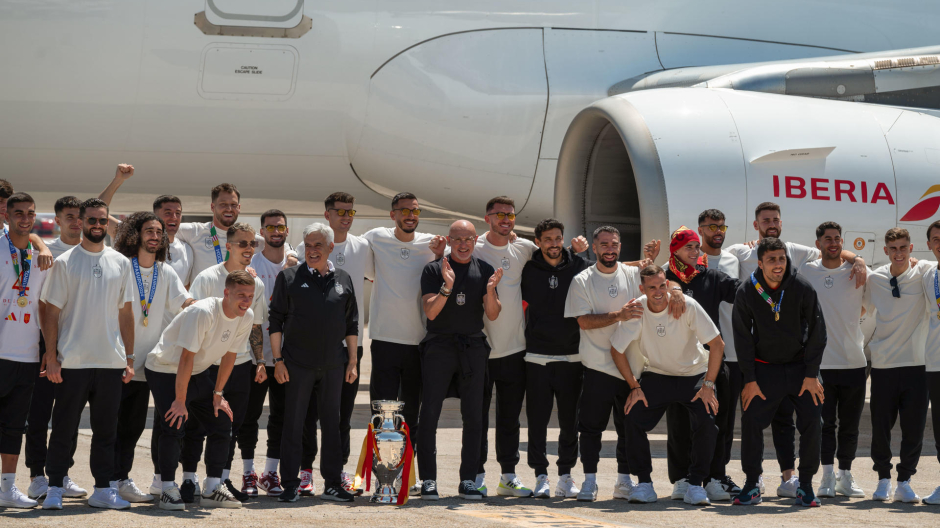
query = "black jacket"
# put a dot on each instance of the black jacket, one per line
(799, 335)
(709, 288)
(545, 288)
(314, 314)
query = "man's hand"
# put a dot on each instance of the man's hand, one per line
(291, 262)
(261, 373)
(651, 249)
(676, 303)
(188, 302)
(351, 373)
(579, 244)
(251, 271)
(51, 369)
(448, 273)
(631, 310)
(707, 396)
(815, 389)
(128, 374)
(219, 404)
(494, 280)
(752, 243)
(751, 391)
(44, 260)
(437, 245)
(280, 372)
(859, 272)
(177, 410)
(636, 395)
(124, 171)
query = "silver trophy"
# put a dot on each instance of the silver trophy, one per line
(390, 443)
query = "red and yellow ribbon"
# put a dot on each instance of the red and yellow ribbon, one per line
(366, 455)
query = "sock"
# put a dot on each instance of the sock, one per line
(211, 484)
(843, 472)
(624, 477)
(189, 475)
(6, 481)
(507, 477)
(114, 483)
(225, 473)
(157, 481)
(565, 477)
(827, 469)
(481, 478)
(248, 466)
(590, 477)
(270, 465)
(167, 485)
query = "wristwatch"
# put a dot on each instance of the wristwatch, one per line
(445, 292)
(278, 360)
(130, 357)
(709, 384)
(217, 393)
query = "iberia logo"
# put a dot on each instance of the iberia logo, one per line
(925, 208)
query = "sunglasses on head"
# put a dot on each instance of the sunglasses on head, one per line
(511, 216)
(352, 212)
(99, 221)
(278, 228)
(895, 289)
(404, 211)
(245, 243)
(715, 227)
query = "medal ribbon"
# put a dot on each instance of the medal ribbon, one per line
(216, 246)
(775, 307)
(14, 256)
(936, 289)
(145, 303)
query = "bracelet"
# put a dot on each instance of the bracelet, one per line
(635, 388)
(278, 360)
(445, 292)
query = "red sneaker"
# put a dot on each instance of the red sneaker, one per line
(349, 484)
(306, 482)
(271, 483)
(250, 484)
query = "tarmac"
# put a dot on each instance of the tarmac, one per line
(451, 511)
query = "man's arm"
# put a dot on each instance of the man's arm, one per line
(183, 373)
(126, 324)
(49, 324)
(491, 304)
(434, 302)
(636, 392)
(816, 333)
(256, 340)
(716, 350)
(352, 359)
(742, 323)
(44, 257)
(121, 174)
(631, 310)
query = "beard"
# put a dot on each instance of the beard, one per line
(401, 225)
(710, 242)
(276, 244)
(94, 239)
(777, 234)
(554, 252)
(608, 261)
(226, 223)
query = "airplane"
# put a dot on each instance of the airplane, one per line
(637, 114)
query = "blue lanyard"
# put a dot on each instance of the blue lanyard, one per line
(936, 289)
(145, 305)
(14, 255)
(216, 246)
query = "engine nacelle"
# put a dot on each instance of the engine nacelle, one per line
(648, 162)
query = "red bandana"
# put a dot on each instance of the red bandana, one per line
(681, 237)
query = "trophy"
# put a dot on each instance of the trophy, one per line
(388, 449)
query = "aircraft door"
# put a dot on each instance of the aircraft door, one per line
(862, 244)
(251, 13)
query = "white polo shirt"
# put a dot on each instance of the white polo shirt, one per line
(19, 329)
(167, 303)
(932, 351)
(199, 237)
(211, 283)
(728, 264)
(842, 305)
(506, 335)
(901, 326)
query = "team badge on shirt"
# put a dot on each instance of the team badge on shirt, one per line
(688, 292)
(341, 259)
(208, 242)
(553, 282)
(225, 335)
(461, 299)
(338, 287)
(96, 271)
(612, 290)
(661, 330)
(405, 253)
(505, 263)
(829, 282)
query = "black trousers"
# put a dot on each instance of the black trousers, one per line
(735, 386)
(248, 433)
(237, 391)
(199, 406)
(101, 389)
(895, 392)
(443, 362)
(842, 411)
(545, 384)
(780, 383)
(396, 375)
(37, 425)
(782, 427)
(16, 389)
(304, 383)
(508, 376)
(679, 443)
(602, 394)
(662, 392)
(933, 385)
(346, 405)
(132, 420)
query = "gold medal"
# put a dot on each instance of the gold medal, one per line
(777, 316)
(22, 301)
(145, 321)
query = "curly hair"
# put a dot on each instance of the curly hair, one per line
(127, 240)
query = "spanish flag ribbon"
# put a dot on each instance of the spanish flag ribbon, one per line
(364, 469)
(407, 470)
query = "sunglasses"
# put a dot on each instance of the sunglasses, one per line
(511, 216)
(352, 212)
(895, 289)
(245, 243)
(99, 221)
(404, 211)
(278, 228)
(715, 227)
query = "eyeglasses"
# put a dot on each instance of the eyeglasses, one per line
(278, 228)
(245, 243)
(404, 211)
(99, 221)
(715, 227)
(895, 289)
(511, 216)
(468, 240)
(352, 212)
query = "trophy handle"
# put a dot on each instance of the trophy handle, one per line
(399, 420)
(372, 421)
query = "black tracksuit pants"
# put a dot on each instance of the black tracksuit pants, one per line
(248, 432)
(101, 388)
(557, 381)
(199, 406)
(132, 420)
(237, 391)
(16, 389)
(842, 410)
(735, 386)
(662, 392)
(933, 386)
(679, 441)
(444, 362)
(323, 388)
(37, 423)
(508, 376)
(780, 383)
(346, 405)
(900, 391)
(602, 394)
(782, 428)
(396, 375)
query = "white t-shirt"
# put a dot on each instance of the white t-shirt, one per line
(180, 257)
(901, 326)
(395, 312)
(593, 292)
(199, 238)
(932, 352)
(89, 289)
(841, 304)
(57, 247)
(672, 347)
(267, 273)
(506, 334)
(204, 329)
(747, 256)
(167, 302)
(211, 283)
(19, 330)
(727, 263)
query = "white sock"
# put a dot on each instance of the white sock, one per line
(167, 485)
(6, 481)
(270, 465)
(590, 477)
(248, 466)
(564, 478)
(827, 469)
(624, 477)
(190, 475)
(507, 477)
(157, 481)
(481, 477)
(842, 472)
(225, 473)
(115, 483)
(211, 484)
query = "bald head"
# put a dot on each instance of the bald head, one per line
(461, 238)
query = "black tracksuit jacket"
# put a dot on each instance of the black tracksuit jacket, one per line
(709, 288)
(545, 289)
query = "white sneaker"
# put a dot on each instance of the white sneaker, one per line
(170, 499)
(156, 487)
(787, 488)
(107, 498)
(716, 491)
(882, 491)
(623, 488)
(131, 493)
(827, 487)
(543, 487)
(480, 483)
(512, 488)
(588, 491)
(904, 493)
(679, 488)
(566, 488)
(15, 499)
(845, 485)
(71, 489)
(37, 487)
(760, 485)
(933, 498)
(53, 498)
(644, 492)
(696, 495)
(220, 497)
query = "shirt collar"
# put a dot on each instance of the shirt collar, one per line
(316, 273)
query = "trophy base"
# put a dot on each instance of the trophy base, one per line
(385, 495)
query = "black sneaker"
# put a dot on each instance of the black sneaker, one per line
(429, 490)
(288, 495)
(336, 493)
(188, 491)
(237, 493)
(729, 485)
(468, 490)
(806, 497)
(750, 494)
